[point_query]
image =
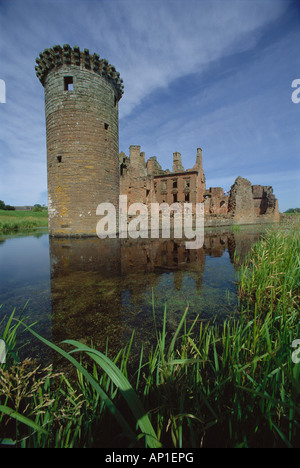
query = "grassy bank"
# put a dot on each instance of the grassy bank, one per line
(18, 221)
(234, 385)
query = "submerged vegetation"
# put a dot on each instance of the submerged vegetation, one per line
(207, 385)
(18, 221)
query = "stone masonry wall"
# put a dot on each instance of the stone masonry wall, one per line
(241, 203)
(146, 182)
(82, 131)
(248, 204)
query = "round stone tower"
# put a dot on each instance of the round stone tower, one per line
(82, 93)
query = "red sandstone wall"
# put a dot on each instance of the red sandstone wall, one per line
(82, 137)
(77, 132)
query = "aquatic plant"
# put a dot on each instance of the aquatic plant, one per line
(270, 276)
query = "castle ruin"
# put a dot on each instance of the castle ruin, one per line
(84, 167)
(147, 182)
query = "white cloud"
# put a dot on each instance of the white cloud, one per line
(162, 41)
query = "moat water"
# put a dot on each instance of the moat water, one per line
(99, 291)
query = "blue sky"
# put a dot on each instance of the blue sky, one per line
(197, 73)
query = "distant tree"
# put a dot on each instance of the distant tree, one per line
(293, 210)
(5, 207)
(37, 207)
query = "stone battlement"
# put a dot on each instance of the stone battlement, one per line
(58, 56)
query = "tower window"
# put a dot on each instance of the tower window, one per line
(68, 83)
(106, 126)
(59, 158)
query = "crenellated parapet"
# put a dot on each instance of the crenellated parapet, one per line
(58, 56)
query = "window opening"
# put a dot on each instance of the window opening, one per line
(68, 82)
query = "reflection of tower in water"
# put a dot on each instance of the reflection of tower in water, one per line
(102, 289)
(85, 296)
(91, 277)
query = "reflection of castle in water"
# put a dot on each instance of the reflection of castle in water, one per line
(103, 288)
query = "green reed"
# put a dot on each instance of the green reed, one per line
(270, 275)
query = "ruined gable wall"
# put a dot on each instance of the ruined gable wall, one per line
(148, 182)
(241, 203)
(265, 202)
(134, 180)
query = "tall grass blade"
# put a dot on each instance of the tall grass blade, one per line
(125, 388)
(22, 419)
(109, 404)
